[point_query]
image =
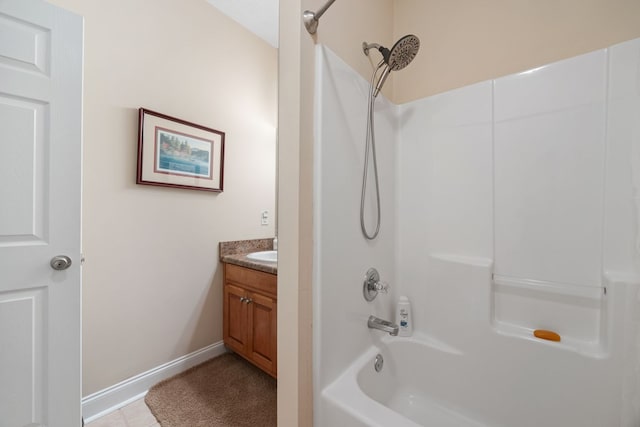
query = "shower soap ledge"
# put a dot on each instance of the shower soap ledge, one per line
(594, 349)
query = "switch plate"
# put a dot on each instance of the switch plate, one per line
(264, 218)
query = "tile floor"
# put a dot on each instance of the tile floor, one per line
(135, 414)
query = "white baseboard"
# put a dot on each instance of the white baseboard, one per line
(112, 398)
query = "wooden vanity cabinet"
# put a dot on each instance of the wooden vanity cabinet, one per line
(250, 315)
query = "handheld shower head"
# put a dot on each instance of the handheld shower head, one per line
(403, 52)
(394, 59)
(381, 80)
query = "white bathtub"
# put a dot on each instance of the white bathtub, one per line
(397, 396)
(427, 383)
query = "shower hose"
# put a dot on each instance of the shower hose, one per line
(370, 146)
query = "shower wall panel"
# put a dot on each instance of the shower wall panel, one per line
(622, 191)
(446, 163)
(445, 193)
(549, 172)
(622, 204)
(536, 173)
(343, 255)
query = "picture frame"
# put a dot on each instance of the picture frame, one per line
(175, 153)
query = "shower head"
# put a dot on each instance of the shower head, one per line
(396, 58)
(403, 52)
(400, 55)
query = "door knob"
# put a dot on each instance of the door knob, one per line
(60, 262)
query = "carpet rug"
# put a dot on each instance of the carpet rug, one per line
(225, 391)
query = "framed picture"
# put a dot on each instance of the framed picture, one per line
(176, 153)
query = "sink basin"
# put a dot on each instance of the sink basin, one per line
(266, 256)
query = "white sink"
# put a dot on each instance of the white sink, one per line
(266, 256)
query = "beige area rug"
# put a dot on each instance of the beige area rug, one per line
(225, 391)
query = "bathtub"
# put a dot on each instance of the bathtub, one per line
(397, 396)
(425, 382)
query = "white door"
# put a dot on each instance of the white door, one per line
(40, 188)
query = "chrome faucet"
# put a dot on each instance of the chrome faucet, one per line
(372, 285)
(383, 325)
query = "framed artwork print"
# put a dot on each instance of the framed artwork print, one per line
(176, 153)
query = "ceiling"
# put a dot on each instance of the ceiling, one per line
(258, 16)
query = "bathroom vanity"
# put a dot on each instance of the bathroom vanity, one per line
(250, 310)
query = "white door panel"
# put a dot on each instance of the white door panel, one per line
(23, 222)
(40, 188)
(21, 329)
(24, 45)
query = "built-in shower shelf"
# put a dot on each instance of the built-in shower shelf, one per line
(590, 349)
(576, 313)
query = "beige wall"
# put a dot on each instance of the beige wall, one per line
(347, 24)
(295, 244)
(152, 286)
(464, 42)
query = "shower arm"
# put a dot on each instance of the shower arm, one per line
(368, 46)
(383, 50)
(311, 19)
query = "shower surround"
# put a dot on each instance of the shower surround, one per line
(507, 206)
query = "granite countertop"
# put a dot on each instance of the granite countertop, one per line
(235, 252)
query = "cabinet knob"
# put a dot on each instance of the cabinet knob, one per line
(248, 300)
(242, 299)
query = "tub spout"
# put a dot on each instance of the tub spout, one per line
(383, 325)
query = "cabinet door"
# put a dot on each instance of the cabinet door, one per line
(235, 332)
(262, 332)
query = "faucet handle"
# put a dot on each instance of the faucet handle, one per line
(382, 287)
(372, 285)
